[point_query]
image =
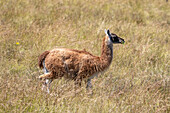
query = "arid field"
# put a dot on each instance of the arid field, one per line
(137, 81)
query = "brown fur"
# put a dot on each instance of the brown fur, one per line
(41, 58)
(75, 64)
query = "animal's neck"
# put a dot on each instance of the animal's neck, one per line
(107, 53)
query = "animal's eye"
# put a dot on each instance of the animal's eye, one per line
(113, 36)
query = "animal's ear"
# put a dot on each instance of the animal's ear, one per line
(107, 32)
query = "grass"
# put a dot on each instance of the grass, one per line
(137, 81)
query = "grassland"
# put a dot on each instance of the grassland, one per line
(138, 81)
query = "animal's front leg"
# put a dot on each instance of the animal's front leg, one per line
(78, 81)
(77, 84)
(89, 85)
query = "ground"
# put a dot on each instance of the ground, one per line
(138, 79)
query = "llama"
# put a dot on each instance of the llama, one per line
(77, 65)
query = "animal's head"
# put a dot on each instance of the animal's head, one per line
(114, 38)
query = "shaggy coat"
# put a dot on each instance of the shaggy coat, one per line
(76, 64)
(72, 64)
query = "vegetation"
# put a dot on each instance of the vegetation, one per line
(137, 81)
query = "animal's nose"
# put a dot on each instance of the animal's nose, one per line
(122, 41)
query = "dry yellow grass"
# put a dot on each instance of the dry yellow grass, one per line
(137, 81)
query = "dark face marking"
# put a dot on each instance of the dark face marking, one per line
(115, 39)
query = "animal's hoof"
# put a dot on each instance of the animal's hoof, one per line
(40, 78)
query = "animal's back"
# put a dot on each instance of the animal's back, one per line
(67, 62)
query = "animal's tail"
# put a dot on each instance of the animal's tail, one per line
(41, 58)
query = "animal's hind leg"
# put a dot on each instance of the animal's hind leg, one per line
(48, 78)
(46, 85)
(48, 82)
(46, 75)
